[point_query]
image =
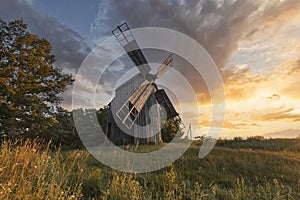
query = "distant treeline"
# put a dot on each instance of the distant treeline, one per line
(259, 142)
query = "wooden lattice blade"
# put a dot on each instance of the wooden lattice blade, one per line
(165, 66)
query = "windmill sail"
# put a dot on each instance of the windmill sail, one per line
(128, 42)
(139, 97)
(165, 66)
(164, 100)
(130, 110)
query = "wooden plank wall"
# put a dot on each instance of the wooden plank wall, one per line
(116, 134)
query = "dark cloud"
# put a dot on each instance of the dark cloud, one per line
(68, 46)
(213, 26)
(217, 25)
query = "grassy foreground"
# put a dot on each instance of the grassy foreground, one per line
(31, 170)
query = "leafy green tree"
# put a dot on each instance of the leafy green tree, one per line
(30, 87)
(170, 129)
(102, 115)
(64, 132)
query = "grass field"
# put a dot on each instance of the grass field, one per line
(264, 169)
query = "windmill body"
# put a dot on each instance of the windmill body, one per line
(135, 113)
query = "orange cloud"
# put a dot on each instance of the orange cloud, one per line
(284, 133)
(255, 124)
(291, 72)
(286, 69)
(273, 97)
(282, 115)
(229, 124)
(293, 90)
(204, 97)
(239, 83)
(278, 13)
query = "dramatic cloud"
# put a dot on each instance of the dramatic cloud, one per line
(68, 46)
(239, 83)
(219, 26)
(260, 72)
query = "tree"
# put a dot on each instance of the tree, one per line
(255, 138)
(102, 115)
(87, 124)
(238, 138)
(170, 129)
(30, 87)
(64, 132)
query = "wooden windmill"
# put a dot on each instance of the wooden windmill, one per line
(129, 120)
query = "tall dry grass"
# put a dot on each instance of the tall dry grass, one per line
(30, 170)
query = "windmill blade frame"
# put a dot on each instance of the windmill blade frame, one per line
(165, 66)
(130, 110)
(128, 42)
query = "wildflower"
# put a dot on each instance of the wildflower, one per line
(275, 181)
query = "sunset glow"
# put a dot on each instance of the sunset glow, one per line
(255, 45)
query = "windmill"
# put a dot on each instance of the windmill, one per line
(129, 120)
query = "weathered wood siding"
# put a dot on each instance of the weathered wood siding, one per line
(146, 128)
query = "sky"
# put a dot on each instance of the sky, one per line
(254, 43)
